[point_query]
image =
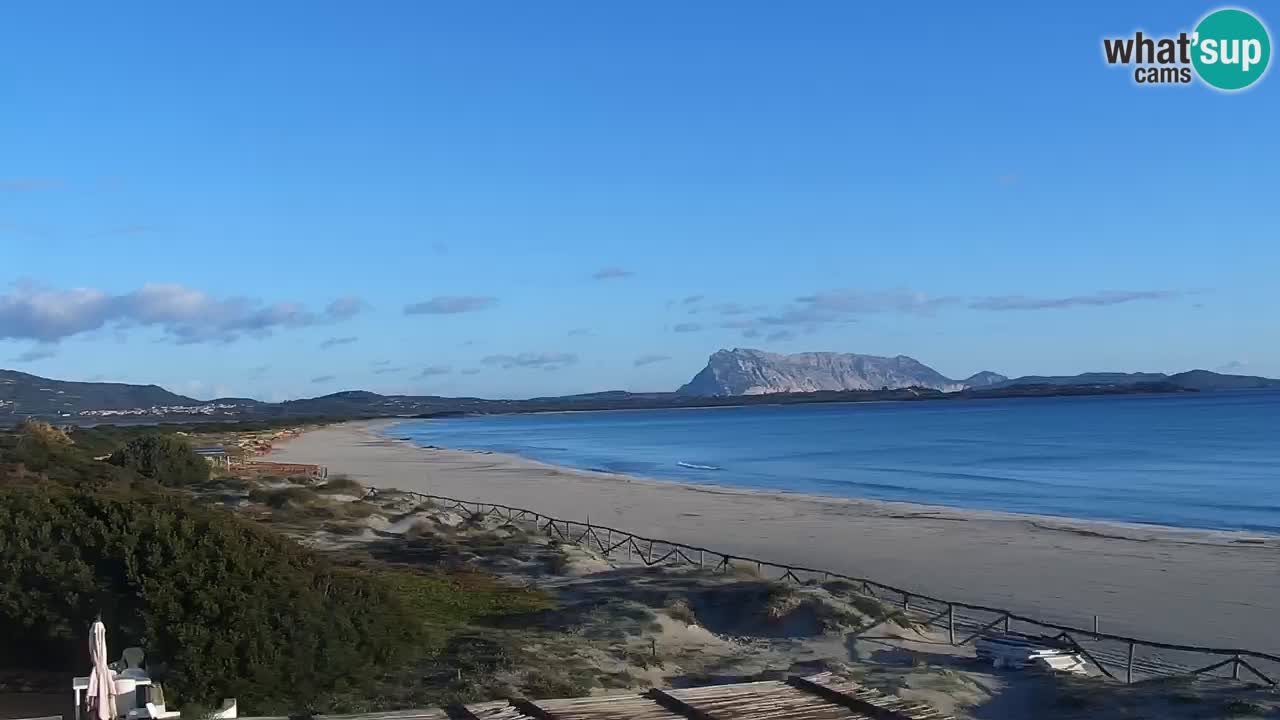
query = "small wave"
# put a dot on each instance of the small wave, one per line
(945, 475)
(695, 466)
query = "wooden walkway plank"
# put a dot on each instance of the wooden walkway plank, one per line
(680, 707)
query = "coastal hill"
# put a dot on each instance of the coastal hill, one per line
(21, 389)
(743, 371)
(1203, 380)
(872, 378)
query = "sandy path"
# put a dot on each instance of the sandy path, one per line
(1181, 586)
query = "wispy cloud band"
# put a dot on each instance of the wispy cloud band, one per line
(451, 305)
(539, 360)
(186, 315)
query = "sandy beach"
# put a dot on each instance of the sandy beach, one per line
(1165, 584)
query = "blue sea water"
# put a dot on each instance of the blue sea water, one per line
(1193, 460)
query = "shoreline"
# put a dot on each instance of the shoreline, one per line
(1195, 586)
(1065, 523)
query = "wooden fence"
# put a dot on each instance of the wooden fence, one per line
(1116, 656)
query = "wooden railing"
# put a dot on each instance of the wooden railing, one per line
(1115, 656)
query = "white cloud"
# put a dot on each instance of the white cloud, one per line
(450, 305)
(542, 360)
(864, 302)
(435, 370)
(37, 353)
(611, 273)
(1098, 299)
(650, 359)
(186, 315)
(336, 341)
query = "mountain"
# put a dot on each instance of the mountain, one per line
(1207, 380)
(986, 378)
(744, 371)
(20, 391)
(803, 378)
(1091, 378)
(1202, 380)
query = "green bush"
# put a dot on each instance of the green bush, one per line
(34, 451)
(284, 497)
(341, 485)
(167, 459)
(222, 607)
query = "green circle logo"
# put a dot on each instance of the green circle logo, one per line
(1232, 49)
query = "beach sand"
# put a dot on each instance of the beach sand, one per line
(1172, 585)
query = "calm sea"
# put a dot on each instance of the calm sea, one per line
(1203, 460)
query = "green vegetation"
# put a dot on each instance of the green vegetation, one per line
(280, 498)
(101, 440)
(341, 486)
(167, 459)
(39, 451)
(222, 605)
(232, 609)
(1243, 708)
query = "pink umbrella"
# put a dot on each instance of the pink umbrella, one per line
(102, 687)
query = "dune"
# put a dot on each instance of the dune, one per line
(1166, 584)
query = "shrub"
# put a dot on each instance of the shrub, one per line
(284, 497)
(1238, 708)
(552, 682)
(33, 451)
(223, 607)
(679, 609)
(341, 486)
(167, 459)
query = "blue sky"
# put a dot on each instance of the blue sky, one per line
(509, 199)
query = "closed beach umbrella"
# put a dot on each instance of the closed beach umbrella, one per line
(102, 689)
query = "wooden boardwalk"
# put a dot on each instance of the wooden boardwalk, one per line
(818, 697)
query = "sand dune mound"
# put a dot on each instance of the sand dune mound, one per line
(577, 561)
(395, 501)
(764, 610)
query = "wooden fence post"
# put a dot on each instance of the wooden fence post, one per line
(1095, 627)
(1006, 623)
(951, 622)
(1128, 675)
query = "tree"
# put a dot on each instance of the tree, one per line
(164, 458)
